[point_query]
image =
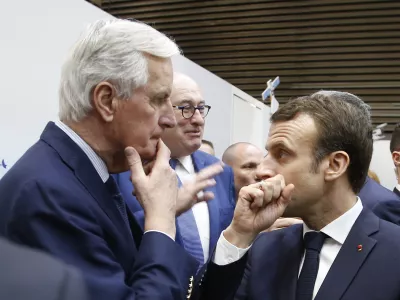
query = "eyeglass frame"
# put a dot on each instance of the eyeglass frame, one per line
(182, 107)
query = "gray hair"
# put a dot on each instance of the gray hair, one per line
(112, 51)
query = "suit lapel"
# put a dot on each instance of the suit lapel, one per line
(76, 159)
(213, 208)
(349, 259)
(289, 263)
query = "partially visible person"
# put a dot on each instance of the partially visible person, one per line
(245, 158)
(322, 144)
(199, 226)
(373, 175)
(30, 274)
(207, 147)
(381, 201)
(395, 150)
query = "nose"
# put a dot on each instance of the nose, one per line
(265, 170)
(197, 119)
(167, 118)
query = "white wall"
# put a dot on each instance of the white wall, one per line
(250, 119)
(35, 37)
(382, 164)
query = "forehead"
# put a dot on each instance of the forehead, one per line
(297, 134)
(185, 90)
(160, 75)
(248, 153)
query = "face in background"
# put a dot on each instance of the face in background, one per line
(207, 148)
(186, 137)
(140, 121)
(290, 149)
(244, 159)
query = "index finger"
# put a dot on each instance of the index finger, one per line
(163, 154)
(210, 171)
(135, 165)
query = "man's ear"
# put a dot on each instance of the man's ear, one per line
(104, 100)
(396, 158)
(337, 164)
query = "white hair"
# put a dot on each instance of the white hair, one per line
(112, 51)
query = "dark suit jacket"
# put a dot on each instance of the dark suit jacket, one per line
(53, 199)
(396, 191)
(220, 209)
(383, 202)
(29, 274)
(371, 274)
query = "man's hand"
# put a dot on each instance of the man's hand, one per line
(259, 205)
(187, 195)
(283, 223)
(157, 191)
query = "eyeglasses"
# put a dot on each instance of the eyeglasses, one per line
(189, 110)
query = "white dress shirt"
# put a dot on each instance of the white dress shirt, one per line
(225, 252)
(185, 171)
(337, 232)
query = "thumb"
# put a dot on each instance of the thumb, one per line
(135, 165)
(286, 194)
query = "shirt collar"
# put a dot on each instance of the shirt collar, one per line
(96, 161)
(339, 229)
(187, 163)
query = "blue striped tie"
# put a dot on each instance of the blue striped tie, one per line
(188, 230)
(119, 201)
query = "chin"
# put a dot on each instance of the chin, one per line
(147, 153)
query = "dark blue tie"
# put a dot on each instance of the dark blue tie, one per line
(313, 242)
(119, 201)
(189, 231)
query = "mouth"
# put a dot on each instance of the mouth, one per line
(194, 133)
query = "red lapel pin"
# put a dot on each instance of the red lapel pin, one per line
(359, 248)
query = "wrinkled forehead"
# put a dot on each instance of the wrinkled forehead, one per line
(293, 134)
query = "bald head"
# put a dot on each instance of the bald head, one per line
(244, 158)
(184, 81)
(185, 138)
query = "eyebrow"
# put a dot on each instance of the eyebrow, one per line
(277, 145)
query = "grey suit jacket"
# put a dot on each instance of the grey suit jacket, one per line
(29, 274)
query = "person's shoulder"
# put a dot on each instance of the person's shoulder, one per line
(36, 272)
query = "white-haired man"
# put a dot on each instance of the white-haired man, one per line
(59, 197)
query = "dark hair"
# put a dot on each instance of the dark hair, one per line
(395, 140)
(208, 143)
(343, 123)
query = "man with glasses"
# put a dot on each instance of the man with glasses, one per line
(199, 226)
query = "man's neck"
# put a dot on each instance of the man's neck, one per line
(330, 208)
(94, 135)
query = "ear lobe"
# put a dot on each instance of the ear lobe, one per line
(338, 163)
(104, 100)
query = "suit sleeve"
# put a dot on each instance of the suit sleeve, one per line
(73, 286)
(54, 220)
(388, 210)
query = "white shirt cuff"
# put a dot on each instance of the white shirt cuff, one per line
(226, 253)
(160, 232)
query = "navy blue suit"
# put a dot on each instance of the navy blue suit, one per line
(220, 208)
(53, 199)
(372, 274)
(383, 202)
